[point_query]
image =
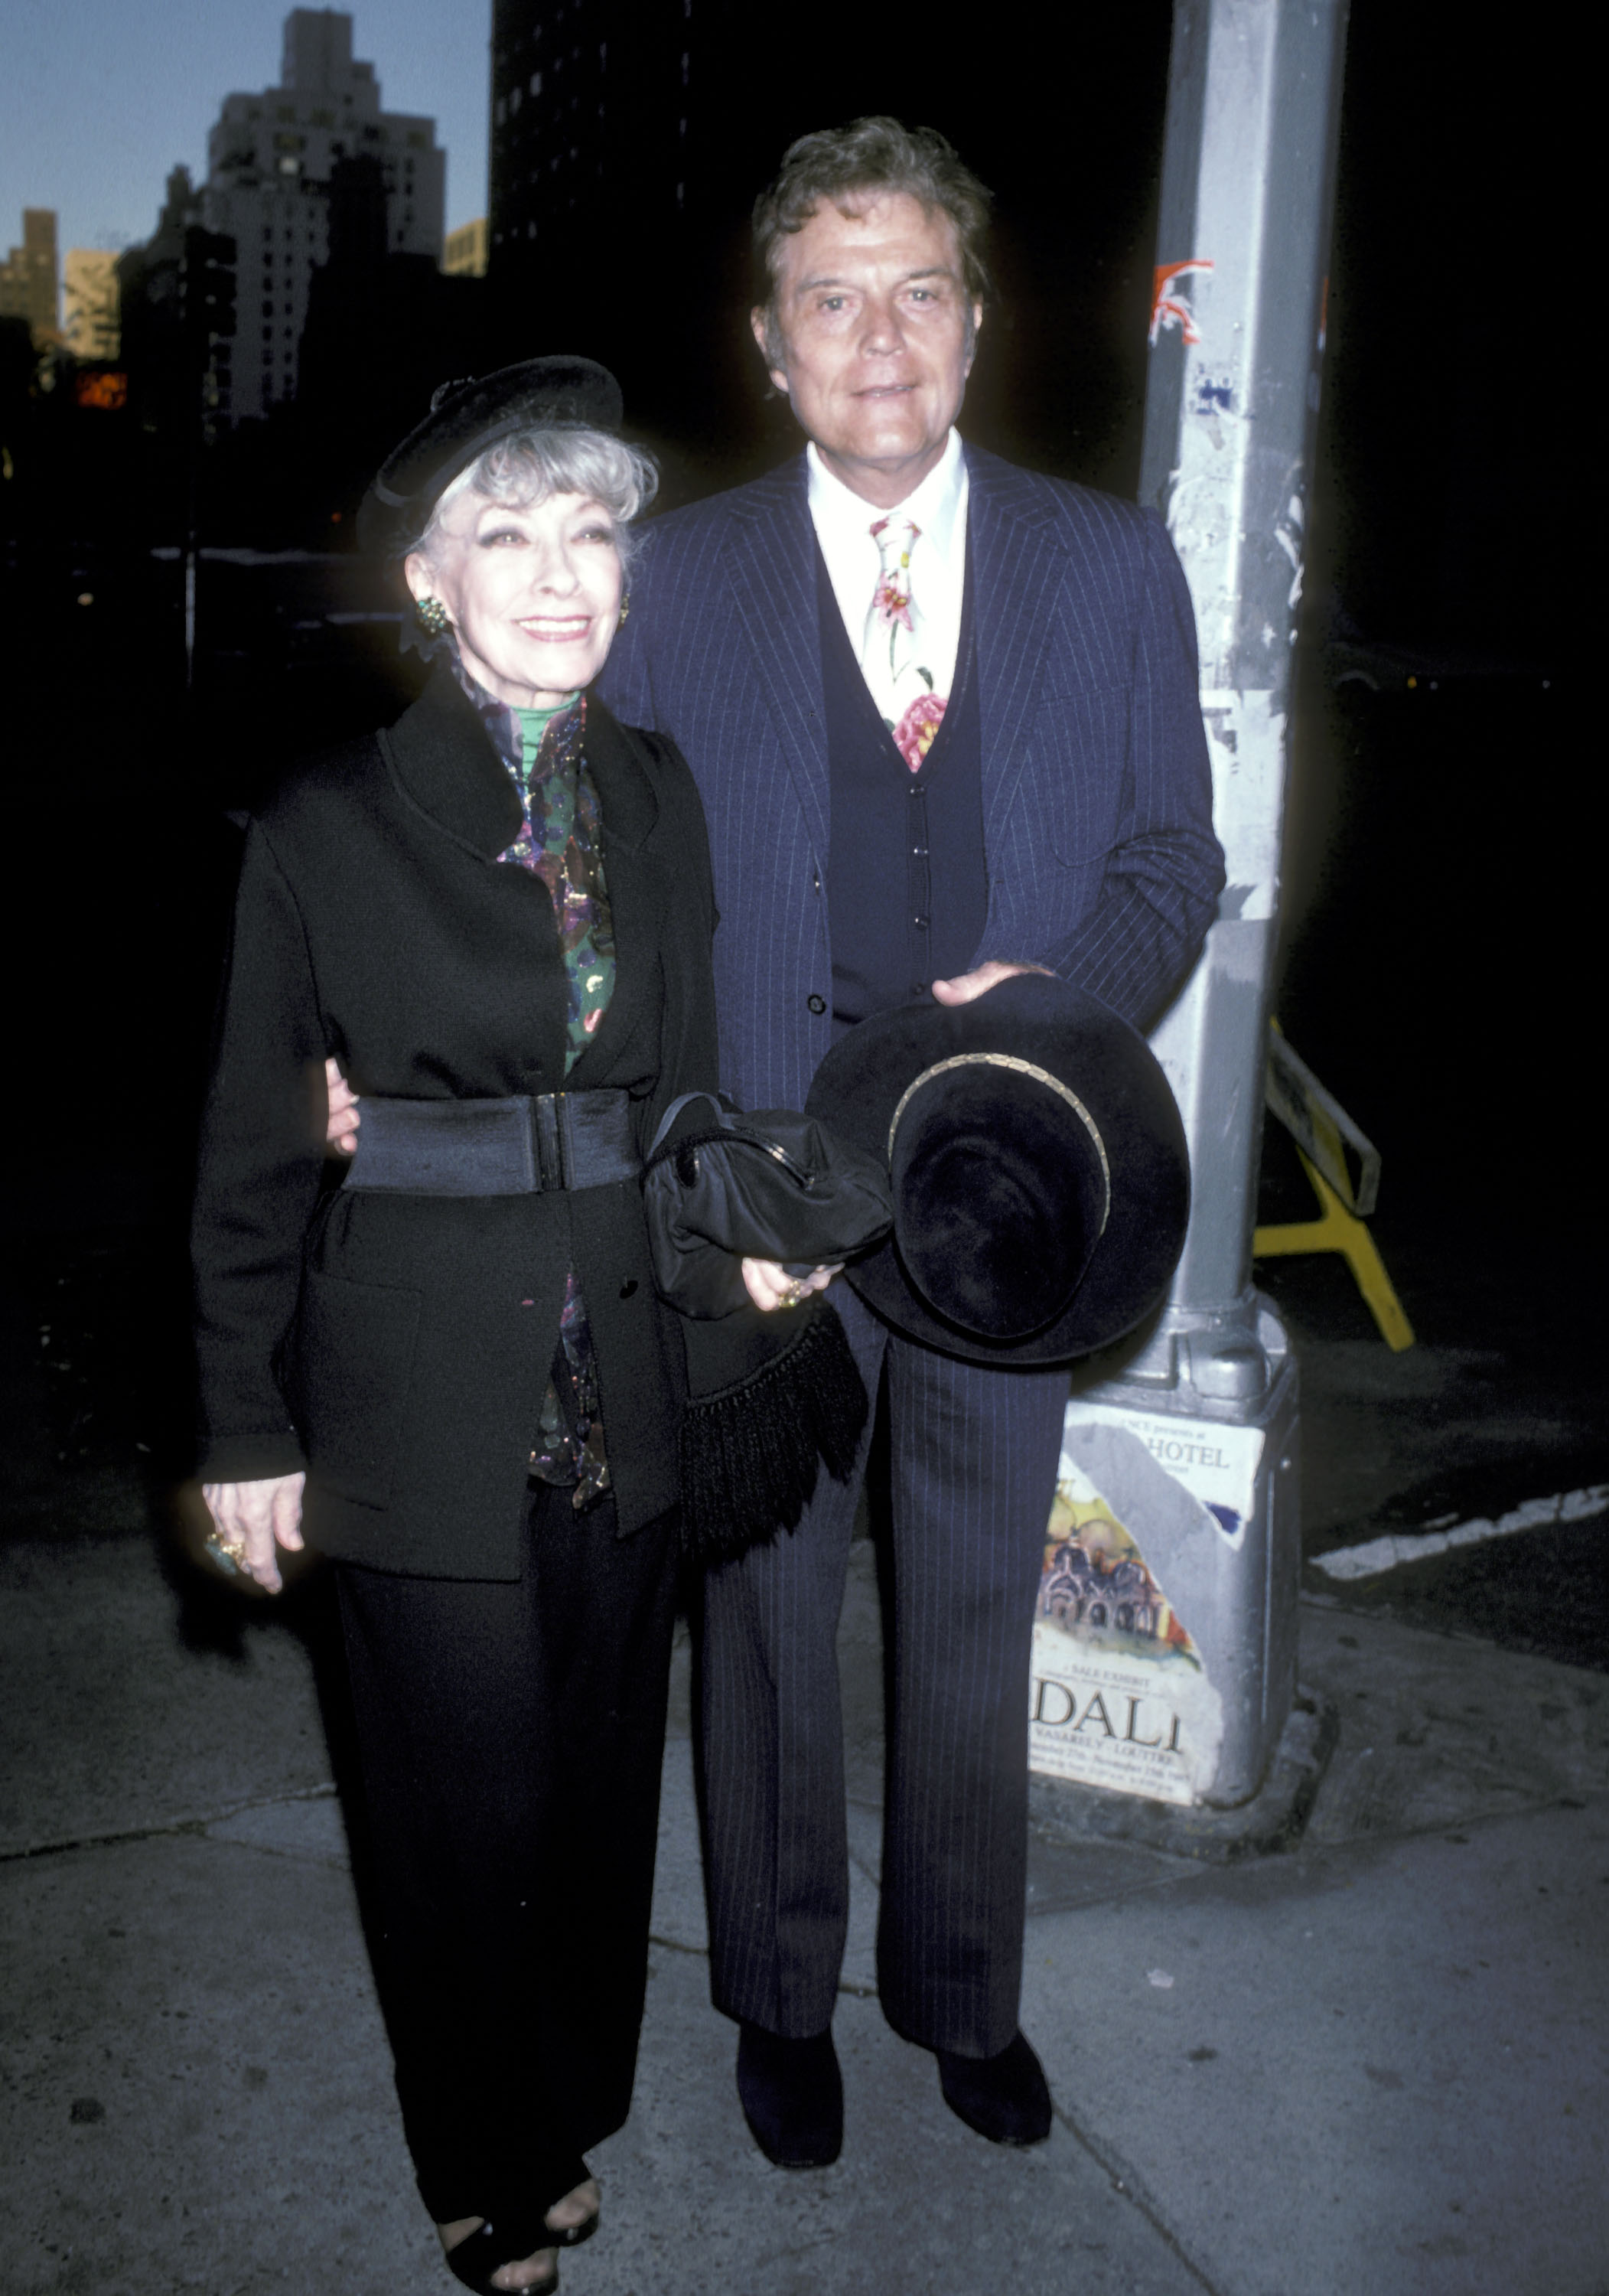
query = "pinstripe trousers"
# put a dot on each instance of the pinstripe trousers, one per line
(974, 1460)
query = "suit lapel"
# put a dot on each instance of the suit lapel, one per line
(1017, 569)
(440, 753)
(771, 567)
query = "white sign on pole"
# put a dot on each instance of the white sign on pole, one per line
(1120, 1695)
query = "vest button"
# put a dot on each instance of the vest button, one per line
(817, 1004)
(628, 1287)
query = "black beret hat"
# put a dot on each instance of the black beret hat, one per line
(1041, 1180)
(465, 419)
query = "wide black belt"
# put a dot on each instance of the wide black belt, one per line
(495, 1147)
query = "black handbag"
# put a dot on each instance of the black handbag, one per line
(772, 1185)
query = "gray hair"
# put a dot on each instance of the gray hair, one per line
(564, 459)
(869, 158)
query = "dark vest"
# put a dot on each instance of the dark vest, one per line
(907, 890)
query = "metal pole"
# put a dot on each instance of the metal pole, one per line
(1236, 336)
(1231, 406)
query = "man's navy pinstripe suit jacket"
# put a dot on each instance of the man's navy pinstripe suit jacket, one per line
(1102, 864)
(1098, 828)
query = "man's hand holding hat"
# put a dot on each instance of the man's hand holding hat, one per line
(968, 985)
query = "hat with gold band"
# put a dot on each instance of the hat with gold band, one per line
(1038, 1165)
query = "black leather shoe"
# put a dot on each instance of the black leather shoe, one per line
(792, 2094)
(1006, 2098)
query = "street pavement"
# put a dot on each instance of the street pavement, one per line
(1376, 2064)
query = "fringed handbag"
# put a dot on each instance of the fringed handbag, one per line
(772, 1398)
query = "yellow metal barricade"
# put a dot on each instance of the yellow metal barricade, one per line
(1345, 1170)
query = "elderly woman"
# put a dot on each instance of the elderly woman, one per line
(450, 1371)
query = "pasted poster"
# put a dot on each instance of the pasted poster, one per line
(1121, 1694)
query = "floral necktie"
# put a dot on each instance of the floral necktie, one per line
(895, 642)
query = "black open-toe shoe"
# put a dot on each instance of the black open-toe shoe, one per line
(508, 2237)
(565, 2170)
(572, 2236)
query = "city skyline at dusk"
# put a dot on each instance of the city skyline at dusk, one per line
(95, 110)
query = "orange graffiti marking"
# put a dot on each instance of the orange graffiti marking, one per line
(1167, 310)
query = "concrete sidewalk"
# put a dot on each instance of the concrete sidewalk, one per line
(1376, 2064)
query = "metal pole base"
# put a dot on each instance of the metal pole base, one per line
(1274, 1819)
(1164, 1647)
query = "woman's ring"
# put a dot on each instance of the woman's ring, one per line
(793, 1295)
(230, 1552)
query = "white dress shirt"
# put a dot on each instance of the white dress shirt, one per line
(843, 521)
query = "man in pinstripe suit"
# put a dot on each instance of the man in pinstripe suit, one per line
(943, 713)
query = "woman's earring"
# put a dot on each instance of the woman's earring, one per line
(431, 616)
(625, 608)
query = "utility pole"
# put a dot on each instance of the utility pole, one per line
(1237, 339)
(206, 318)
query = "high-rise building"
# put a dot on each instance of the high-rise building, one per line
(628, 139)
(28, 277)
(90, 298)
(464, 254)
(271, 160)
(166, 363)
(594, 113)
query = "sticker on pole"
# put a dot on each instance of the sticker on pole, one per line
(1245, 741)
(1121, 1693)
(1168, 306)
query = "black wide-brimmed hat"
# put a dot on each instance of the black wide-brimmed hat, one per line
(1041, 1180)
(465, 419)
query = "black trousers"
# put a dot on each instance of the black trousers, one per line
(510, 1737)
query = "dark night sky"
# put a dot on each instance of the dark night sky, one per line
(1454, 487)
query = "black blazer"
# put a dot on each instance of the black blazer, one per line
(399, 1346)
